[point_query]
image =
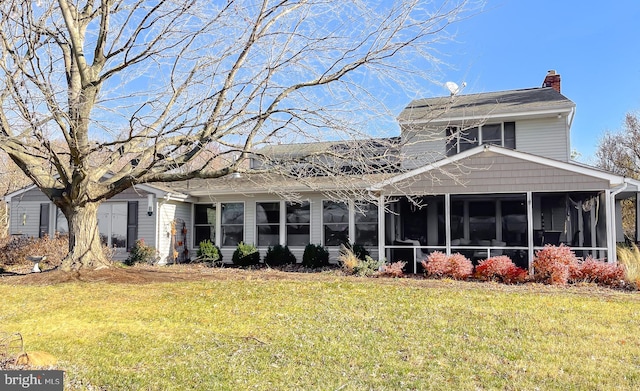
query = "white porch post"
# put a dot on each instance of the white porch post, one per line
(611, 249)
(447, 222)
(382, 253)
(352, 222)
(530, 229)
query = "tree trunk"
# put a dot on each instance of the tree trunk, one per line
(85, 247)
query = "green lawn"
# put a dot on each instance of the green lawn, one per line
(330, 333)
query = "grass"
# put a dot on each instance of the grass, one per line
(330, 333)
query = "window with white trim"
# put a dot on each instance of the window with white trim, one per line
(366, 224)
(298, 223)
(204, 226)
(232, 223)
(461, 139)
(335, 220)
(267, 223)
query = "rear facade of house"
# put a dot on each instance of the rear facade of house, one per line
(480, 174)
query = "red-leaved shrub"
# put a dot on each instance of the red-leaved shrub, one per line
(455, 266)
(555, 265)
(500, 268)
(592, 270)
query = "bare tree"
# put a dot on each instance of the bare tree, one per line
(173, 86)
(619, 152)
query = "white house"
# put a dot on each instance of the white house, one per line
(480, 174)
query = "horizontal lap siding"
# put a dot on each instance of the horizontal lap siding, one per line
(31, 225)
(492, 173)
(422, 147)
(166, 214)
(544, 137)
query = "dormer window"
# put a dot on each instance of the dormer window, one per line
(461, 139)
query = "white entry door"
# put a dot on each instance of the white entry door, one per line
(112, 223)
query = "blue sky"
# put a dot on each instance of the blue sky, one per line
(593, 45)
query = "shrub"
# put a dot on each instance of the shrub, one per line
(394, 269)
(348, 259)
(555, 265)
(209, 252)
(368, 267)
(455, 266)
(629, 258)
(141, 253)
(315, 256)
(246, 255)
(500, 268)
(461, 267)
(592, 270)
(279, 255)
(16, 250)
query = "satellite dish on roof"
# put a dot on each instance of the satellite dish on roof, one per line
(453, 87)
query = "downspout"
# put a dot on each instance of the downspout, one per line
(612, 222)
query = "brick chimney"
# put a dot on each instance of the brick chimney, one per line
(552, 80)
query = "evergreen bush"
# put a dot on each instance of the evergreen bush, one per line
(279, 255)
(209, 252)
(315, 256)
(246, 255)
(141, 253)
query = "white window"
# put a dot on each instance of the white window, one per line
(335, 220)
(267, 223)
(298, 223)
(204, 225)
(461, 139)
(232, 223)
(112, 224)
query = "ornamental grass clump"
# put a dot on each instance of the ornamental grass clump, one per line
(393, 269)
(502, 269)
(455, 266)
(629, 258)
(555, 265)
(351, 264)
(348, 260)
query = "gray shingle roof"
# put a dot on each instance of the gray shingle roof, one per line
(489, 104)
(252, 183)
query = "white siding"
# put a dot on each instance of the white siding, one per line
(166, 214)
(25, 217)
(422, 146)
(146, 223)
(546, 137)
